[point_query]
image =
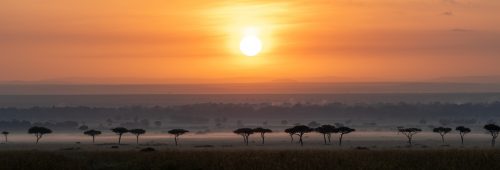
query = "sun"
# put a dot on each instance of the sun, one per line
(250, 44)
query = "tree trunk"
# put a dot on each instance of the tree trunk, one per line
(93, 139)
(340, 139)
(329, 138)
(6, 139)
(409, 140)
(262, 136)
(300, 140)
(291, 137)
(119, 139)
(175, 139)
(442, 139)
(37, 139)
(137, 139)
(493, 142)
(462, 138)
(324, 138)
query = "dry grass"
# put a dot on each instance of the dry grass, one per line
(226, 159)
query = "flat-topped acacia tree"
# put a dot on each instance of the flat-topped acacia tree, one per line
(493, 130)
(119, 131)
(245, 133)
(343, 130)
(137, 133)
(39, 131)
(409, 132)
(5, 134)
(300, 130)
(442, 131)
(462, 131)
(92, 133)
(326, 131)
(177, 133)
(291, 132)
(262, 132)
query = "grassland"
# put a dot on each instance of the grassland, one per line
(233, 159)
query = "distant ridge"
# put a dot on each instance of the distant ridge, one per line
(471, 79)
(248, 88)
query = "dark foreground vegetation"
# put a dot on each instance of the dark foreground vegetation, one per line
(252, 159)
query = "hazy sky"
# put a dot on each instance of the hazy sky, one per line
(198, 41)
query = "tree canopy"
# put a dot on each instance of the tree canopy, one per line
(493, 129)
(442, 131)
(409, 132)
(327, 131)
(119, 131)
(262, 132)
(462, 131)
(177, 133)
(92, 133)
(300, 130)
(39, 132)
(137, 133)
(245, 133)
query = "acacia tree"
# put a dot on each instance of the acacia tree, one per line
(137, 133)
(245, 133)
(39, 132)
(290, 132)
(442, 131)
(327, 131)
(462, 131)
(119, 131)
(343, 130)
(177, 133)
(92, 133)
(262, 132)
(5, 133)
(493, 130)
(409, 132)
(300, 130)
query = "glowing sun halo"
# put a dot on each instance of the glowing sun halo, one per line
(250, 45)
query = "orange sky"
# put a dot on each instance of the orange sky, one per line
(123, 41)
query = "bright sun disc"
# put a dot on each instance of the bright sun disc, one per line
(250, 45)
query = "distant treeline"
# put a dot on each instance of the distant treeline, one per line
(202, 113)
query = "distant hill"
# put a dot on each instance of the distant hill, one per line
(250, 88)
(471, 79)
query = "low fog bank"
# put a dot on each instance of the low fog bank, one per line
(222, 117)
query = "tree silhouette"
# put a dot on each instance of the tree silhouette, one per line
(177, 133)
(245, 133)
(409, 132)
(343, 130)
(493, 130)
(119, 131)
(327, 131)
(300, 130)
(462, 130)
(290, 132)
(137, 133)
(92, 133)
(262, 132)
(5, 133)
(442, 131)
(39, 132)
